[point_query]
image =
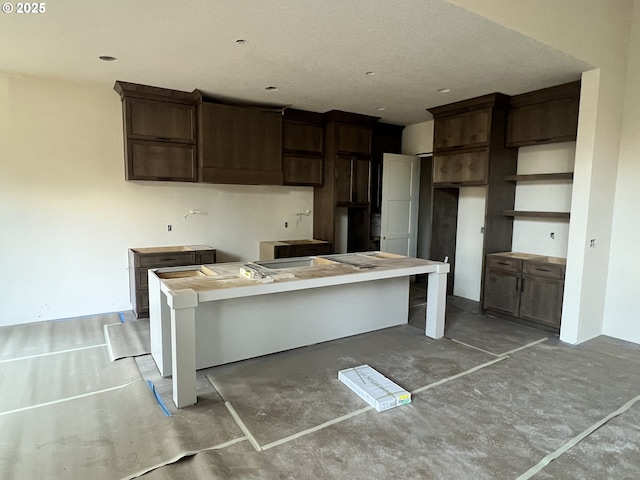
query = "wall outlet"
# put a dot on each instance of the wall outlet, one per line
(169, 228)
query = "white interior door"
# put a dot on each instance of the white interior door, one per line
(400, 191)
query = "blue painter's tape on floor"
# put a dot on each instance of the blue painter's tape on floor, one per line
(163, 407)
(121, 315)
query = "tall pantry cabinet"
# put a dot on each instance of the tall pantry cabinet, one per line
(469, 150)
(343, 201)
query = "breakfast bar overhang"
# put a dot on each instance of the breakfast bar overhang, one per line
(207, 315)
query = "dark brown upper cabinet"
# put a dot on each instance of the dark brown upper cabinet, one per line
(239, 145)
(302, 148)
(549, 115)
(469, 140)
(160, 133)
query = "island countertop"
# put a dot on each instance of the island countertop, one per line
(225, 280)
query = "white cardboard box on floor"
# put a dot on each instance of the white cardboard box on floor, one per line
(374, 388)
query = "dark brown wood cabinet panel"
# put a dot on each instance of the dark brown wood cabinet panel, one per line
(160, 120)
(302, 249)
(302, 137)
(147, 160)
(541, 299)
(240, 145)
(464, 168)
(464, 130)
(271, 250)
(300, 169)
(361, 180)
(351, 138)
(502, 291)
(544, 116)
(352, 181)
(444, 233)
(549, 122)
(504, 263)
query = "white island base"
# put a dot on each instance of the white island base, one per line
(225, 318)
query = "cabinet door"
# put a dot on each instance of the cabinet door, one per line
(240, 145)
(160, 120)
(351, 138)
(147, 160)
(302, 137)
(470, 129)
(502, 292)
(541, 299)
(343, 180)
(360, 182)
(302, 169)
(547, 122)
(464, 168)
(352, 180)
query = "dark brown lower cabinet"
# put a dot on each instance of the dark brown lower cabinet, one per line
(525, 286)
(502, 292)
(541, 299)
(142, 259)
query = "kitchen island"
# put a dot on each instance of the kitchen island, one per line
(208, 315)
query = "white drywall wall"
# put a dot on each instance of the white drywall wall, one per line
(540, 235)
(417, 138)
(623, 287)
(68, 216)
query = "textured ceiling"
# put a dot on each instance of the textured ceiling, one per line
(315, 52)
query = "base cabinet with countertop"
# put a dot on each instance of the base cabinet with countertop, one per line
(142, 259)
(525, 286)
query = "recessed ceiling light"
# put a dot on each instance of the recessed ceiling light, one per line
(444, 90)
(370, 73)
(380, 109)
(107, 58)
(241, 41)
(271, 88)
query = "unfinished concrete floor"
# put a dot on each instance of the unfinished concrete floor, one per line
(490, 401)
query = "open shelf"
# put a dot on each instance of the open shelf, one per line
(526, 213)
(539, 176)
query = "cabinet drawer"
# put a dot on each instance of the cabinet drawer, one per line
(504, 263)
(310, 249)
(544, 269)
(467, 168)
(169, 259)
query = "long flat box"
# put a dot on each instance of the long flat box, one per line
(374, 388)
